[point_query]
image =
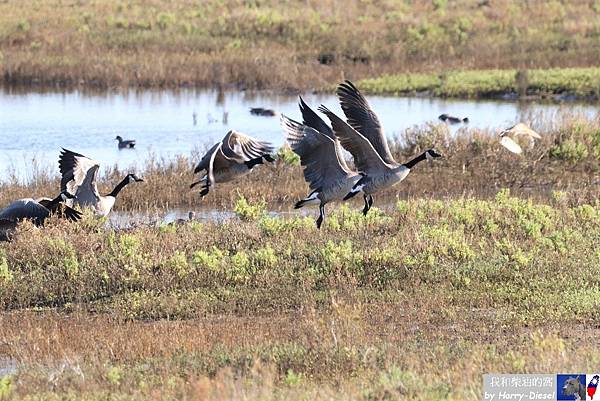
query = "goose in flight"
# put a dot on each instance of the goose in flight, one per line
(364, 138)
(125, 143)
(36, 210)
(519, 129)
(325, 169)
(79, 177)
(234, 156)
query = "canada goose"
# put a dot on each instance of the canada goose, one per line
(260, 111)
(452, 119)
(125, 143)
(321, 155)
(79, 175)
(234, 156)
(364, 138)
(36, 210)
(516, 130)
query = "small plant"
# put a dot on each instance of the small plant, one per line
(247, 211)
(288, 156)
(5, 273)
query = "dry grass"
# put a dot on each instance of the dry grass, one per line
(284, 44)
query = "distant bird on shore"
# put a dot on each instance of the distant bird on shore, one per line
(364, 138)
(519, 129)
(452, 119)
(234, 156)
(36, 210)
(259, 111)
(79, 176)
(325, 168)
(125, 143)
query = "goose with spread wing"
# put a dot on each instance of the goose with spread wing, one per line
(36, 210)
(325, 168)
(520, 129)
(234, 156)
(79, 177)
(364, 138)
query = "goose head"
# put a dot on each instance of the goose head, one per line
(133, 178)
(119, 138)
(431, 154)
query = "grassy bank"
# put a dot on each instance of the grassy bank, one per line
(414, 303)
(286, 44)
(474, 163)
(563, 83)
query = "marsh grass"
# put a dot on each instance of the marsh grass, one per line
(287, 44)
(213, 310)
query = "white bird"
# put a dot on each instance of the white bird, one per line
(79, 176)
(519, 129)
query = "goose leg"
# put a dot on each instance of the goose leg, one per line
(204, 191)
(321, 216)
(370, 201)
(367, 204)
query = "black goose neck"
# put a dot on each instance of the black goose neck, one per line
(410, 164)
(119, 187)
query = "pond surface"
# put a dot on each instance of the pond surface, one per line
(34, 126)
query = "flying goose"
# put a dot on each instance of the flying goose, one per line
(364, 138)
(452, 119)
(321, 155)
(36, 210)
(260, 111)
(125, 143)
(516, 130)
(79, 177)
(234, 156)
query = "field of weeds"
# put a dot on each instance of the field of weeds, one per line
(286, 44)
(482, 262)
(412, 303)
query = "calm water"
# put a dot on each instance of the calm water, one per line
(35, 125)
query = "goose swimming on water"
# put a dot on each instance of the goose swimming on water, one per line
(325, 168)
(125, 143)
(364, 138)
(234, 156)
(79, 177)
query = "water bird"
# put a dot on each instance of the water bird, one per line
(234, 156)
(225, 117)
(364, 138)
(195, 117)
(325, 168)
(452, 119)
(35, 210)
(260, 111)
(125, 143)
(80, 175)
(516, 130)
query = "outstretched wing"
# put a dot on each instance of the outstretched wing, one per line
(366, 158)
(312, 119)
(363, 119)
(317, 153)
(511, 145)
(79, 173)
(25, 209)
(60, 209)
(523, 129)
(205, 161)
(244, 148)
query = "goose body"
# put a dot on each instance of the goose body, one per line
(125, 143)
(364, 138)
(517, 130)
(35, 210)
(452, 119)
(79, 177)
(321, 155)
(233, 157)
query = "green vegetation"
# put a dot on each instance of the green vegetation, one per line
(483, 285)
(300, 44)
(577, 82)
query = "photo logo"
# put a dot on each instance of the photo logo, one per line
(571, 387)
(592, 386)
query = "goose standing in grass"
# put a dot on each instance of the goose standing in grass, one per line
(519, 129)
(320, 153)
(79, 177)
(36, 210)
(364, 138)
(234, 156)
(125, 143)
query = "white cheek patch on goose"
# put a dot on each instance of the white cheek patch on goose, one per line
(358, 188)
